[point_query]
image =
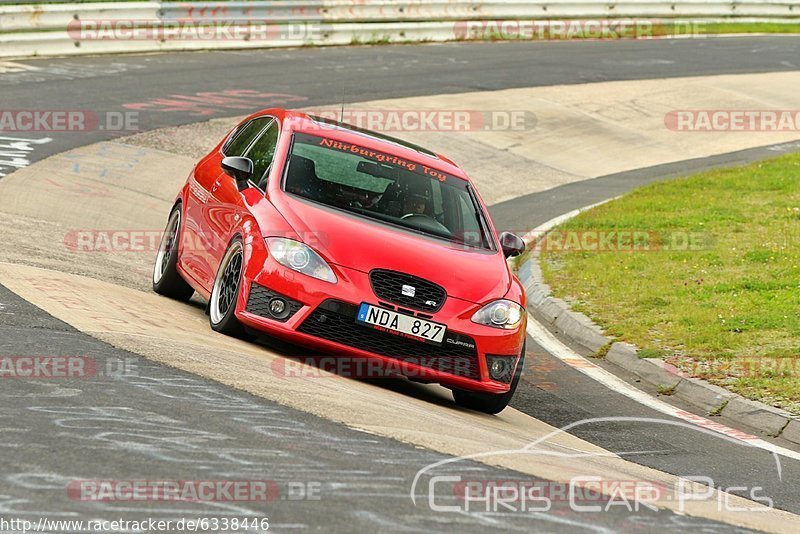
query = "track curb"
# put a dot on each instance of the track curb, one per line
(577, 328)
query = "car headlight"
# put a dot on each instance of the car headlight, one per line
(301, 258)
(500, 314)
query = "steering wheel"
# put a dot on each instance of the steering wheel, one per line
(425, 222)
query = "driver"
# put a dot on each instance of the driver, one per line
(415, 204)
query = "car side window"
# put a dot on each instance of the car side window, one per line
(261, 152)
(242, 139)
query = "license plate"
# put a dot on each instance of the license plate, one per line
(400, 324)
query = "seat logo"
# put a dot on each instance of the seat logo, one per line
(409, 291)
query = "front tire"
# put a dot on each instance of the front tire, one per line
(226, 290)
(166, 279)
(490, 403)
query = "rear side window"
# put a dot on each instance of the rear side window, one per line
(243, 138)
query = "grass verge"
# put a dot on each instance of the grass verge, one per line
(751, 27)
(703, 271)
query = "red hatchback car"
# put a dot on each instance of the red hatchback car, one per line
(353, 243)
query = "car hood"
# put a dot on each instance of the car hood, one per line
(363, 244)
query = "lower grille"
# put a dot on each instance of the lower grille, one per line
(336, 321)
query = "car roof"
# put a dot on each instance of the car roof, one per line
(301, 122)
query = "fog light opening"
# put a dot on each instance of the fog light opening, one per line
(501, 368)
(278, 308)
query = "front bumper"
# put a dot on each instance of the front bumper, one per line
(324, 319)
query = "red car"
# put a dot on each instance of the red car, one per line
(353, 243)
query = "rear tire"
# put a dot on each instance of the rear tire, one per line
(225, 293)
(166, 279)
(490, 403)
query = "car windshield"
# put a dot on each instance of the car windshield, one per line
(387, 188)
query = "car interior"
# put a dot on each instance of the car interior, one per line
(388, 193)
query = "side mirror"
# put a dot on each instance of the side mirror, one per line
(240, 169)
(511, 244)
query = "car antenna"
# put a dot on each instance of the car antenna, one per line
(341, 112)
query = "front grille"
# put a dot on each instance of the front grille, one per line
(390, 286)
(259, 299)
(336, 321)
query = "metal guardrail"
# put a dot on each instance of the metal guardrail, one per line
(49, 29)
(437, 10)
(38, 17)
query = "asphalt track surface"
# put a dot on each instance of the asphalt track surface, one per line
(364, 480)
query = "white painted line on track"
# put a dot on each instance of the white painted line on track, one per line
(533, 235)
(554, 346)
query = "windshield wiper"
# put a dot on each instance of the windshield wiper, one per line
(479, 217)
